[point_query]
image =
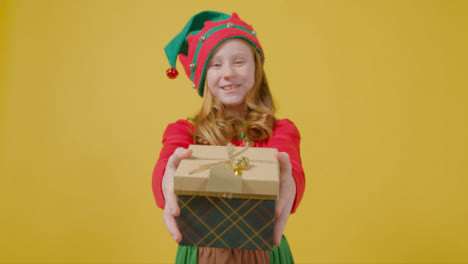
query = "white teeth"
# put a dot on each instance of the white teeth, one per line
(226, 88)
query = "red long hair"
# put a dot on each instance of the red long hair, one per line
(214, 127)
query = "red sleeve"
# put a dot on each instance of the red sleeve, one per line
(176, 135)
(286, 138)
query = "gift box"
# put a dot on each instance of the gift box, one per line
(227, 199)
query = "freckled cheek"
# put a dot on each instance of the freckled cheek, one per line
(251, 80)
(211, 80)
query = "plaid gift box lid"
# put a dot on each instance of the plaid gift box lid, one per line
(258, 180)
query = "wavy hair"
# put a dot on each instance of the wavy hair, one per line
(214, 127)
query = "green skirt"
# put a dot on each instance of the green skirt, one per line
(279, 255)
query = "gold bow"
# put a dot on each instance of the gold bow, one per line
(230, 163)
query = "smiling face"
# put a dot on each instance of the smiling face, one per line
(231, 74)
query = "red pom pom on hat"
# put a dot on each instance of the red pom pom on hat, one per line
(172, 73)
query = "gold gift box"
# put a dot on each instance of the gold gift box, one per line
(259, 180)
(224, 210)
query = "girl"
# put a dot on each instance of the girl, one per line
(223, 57)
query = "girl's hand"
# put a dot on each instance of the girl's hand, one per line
(171, 210)
(286, 196)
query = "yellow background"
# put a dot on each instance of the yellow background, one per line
(378, 90)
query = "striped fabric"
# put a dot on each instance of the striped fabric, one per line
(206, 221)
(279, 255)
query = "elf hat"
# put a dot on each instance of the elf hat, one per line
(199, 38)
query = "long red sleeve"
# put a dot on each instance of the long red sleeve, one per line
(176, 135)
(286, 138)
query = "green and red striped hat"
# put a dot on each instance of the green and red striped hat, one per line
(199, 38)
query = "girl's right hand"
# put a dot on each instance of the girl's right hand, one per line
(171, 210)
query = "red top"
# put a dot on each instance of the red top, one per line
(285, 138)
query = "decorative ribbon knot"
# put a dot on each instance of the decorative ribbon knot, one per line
(230, 163)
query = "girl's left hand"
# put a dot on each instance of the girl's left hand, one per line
(286, 196)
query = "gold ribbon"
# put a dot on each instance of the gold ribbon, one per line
(230, 162)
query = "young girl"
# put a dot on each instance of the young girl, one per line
(223, 57)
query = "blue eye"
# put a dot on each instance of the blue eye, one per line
(216, 65)
(239, 62)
